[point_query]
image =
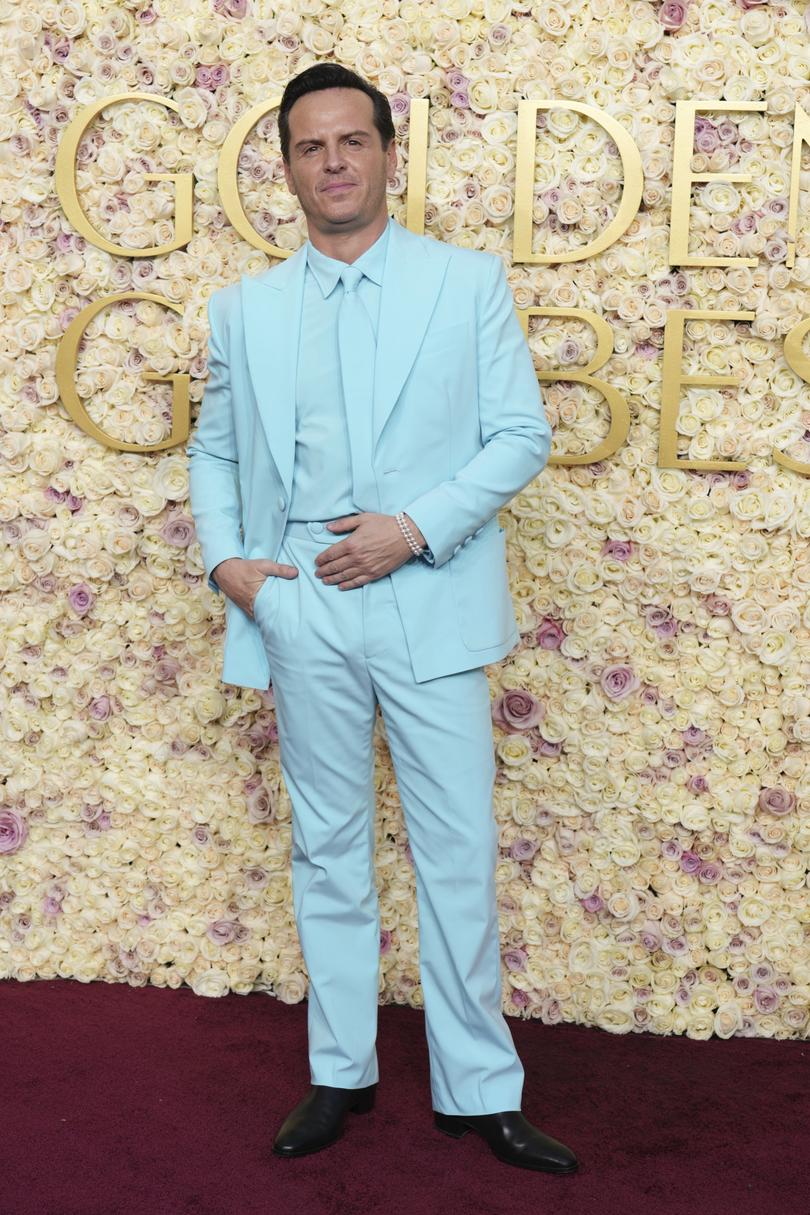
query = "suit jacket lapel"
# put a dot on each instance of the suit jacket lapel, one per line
(271, 311)
(414, 271)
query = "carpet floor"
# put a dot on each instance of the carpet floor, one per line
(118, 1100)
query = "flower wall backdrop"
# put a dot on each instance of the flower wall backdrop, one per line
(651, 728)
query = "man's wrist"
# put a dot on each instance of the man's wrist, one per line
(420, 539)
(220, 564)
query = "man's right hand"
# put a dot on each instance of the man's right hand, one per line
(241, 577)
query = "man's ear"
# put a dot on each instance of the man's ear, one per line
(288, 177)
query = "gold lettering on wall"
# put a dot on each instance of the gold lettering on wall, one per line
(801, 136)
(524, 182)
(672, 379)
(67, 193)
(227, 178)
(619, 409)
(799, 364)
(682, 180)
(417, 165)
(67, 355)
(683, 177)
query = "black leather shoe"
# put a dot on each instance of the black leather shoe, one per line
(513, 1139)
(318, 1120)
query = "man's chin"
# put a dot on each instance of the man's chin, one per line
(342, 217)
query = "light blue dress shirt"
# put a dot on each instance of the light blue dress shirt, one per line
(322, 468)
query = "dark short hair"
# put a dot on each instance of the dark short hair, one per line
(332, 76)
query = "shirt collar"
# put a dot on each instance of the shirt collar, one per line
(327, 269)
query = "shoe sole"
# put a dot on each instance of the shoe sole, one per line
(309, 1151)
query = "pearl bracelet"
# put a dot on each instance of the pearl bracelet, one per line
(408, 534)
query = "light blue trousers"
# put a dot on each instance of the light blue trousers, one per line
(334, 656)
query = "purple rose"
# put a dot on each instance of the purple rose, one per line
(260, 806)
(166, 670)
(519, 998)
(710, 872)
(523, 850)
(222, 932)
(647, 350)
(519, 709)
(706, 139)
(231, 8)
(651, 936)
(541, 746)
(676, 947)
(697, 784)
(256, 878)
(100, 708)
(400, 104)
(179, 531)
(672, 850)
(618, 681)
(672, 14)
(766, 999)
(81, 598)
(568, 351)
(673, 758)
(385, 940)
(745, 224)
(550, 635)
(690, 862)
(693, 735)
(775, 249)
(777, 800)
(13, 831)
(51, 906)
(661, 621)
(622, 550)
(593, 902)
(516, 959)
(717, 606)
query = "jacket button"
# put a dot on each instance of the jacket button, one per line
(281, 503)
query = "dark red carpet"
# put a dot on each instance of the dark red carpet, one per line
(120, 1100)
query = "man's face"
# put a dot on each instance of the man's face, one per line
(338, 167)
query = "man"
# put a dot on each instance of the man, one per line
(376, 386)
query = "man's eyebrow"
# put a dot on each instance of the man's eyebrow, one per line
(346, 135)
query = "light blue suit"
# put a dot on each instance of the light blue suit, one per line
(457, 429)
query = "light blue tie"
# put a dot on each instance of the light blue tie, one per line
(357, 347)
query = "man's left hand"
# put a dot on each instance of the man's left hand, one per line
(374, 548)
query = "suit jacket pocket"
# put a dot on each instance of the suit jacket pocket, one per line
(265, 600)
(443, 341)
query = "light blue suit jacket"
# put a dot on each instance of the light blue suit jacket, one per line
(458, 430)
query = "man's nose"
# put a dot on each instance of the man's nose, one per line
(334, 158)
